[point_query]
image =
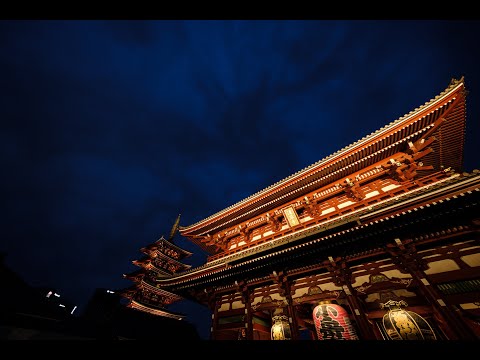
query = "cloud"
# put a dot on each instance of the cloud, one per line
(112, 128)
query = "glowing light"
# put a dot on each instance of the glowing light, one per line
(110, 292)
(61, 305)
(332, 322)
(56, 294)
(73, 309)
(49, 293)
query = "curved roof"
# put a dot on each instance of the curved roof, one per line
(429, 196)
(448, 152)
(154, 311)
(154, 246)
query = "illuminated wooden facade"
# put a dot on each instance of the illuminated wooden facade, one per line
(379, 240)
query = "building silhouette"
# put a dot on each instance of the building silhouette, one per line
(30, 313)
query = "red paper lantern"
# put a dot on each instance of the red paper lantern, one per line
(332, 323)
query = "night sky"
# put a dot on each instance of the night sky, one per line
(112, 128)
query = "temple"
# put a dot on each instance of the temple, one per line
(379, 240)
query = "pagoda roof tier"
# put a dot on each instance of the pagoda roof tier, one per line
(164, 242)
(146, 261)
(147, 265)
(427, 199)
(169, 259)
(128, 292)
(159, 291)
(136, 275)
(141, 274)
(160, 272)
(443, 116)
(132, 290)
(154, 311)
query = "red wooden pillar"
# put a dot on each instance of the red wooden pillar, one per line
(213, 305)
(291, 311)
(247, 300)
(342, 276)
(285, 290)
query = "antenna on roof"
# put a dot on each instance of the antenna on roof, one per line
(174, 228)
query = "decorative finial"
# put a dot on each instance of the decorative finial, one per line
(174, 228)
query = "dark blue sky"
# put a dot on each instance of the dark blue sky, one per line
(112, 128)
